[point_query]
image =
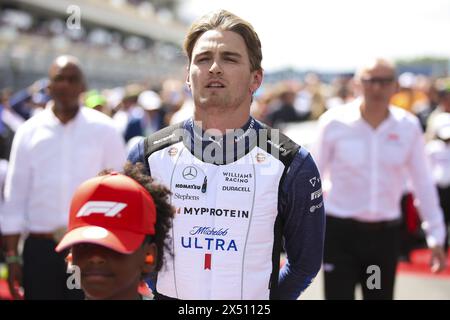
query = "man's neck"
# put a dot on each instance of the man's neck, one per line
(221, 121)
(63, 114)
(374, 115)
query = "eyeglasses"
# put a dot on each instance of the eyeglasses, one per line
(380, 81)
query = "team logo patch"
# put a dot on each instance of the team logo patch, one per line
(314, 180)
(173, 151)
(260, 157)
(189, 173)
(107, 208)
(316, 194)
(393, 137)
(314, 208)
(207, 261)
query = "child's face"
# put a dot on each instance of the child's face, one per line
(108, 274)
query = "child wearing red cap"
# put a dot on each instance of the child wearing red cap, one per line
(117, 229)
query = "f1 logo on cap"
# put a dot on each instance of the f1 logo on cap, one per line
(107, 208)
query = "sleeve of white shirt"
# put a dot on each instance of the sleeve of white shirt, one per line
(425, 192)
(115, 151)
(17, 184)
(321, 149)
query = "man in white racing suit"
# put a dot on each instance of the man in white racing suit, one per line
(241, 190)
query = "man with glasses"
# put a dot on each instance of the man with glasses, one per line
(365, 148)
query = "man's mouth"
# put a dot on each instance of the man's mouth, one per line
(215, 84)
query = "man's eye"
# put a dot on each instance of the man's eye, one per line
(73, 79)
(202, 59)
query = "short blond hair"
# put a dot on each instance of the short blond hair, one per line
(226, 21)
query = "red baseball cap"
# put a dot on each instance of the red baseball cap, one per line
(114, 211)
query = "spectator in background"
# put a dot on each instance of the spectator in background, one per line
(408, 97)
(443, 90)
(427, 86)
(94, 100)
(260, 106)
(364, 148)
(114, 99)
(438, 150)
(146, 119)
(10, 121)
(313, 86)
(173, 96)
(52, 154)
(343, 93)
(122, 115)
(285, 111)
(27, 102)
(186, 110)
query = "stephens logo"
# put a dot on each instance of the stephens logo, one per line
(189, 173)
(185, 197)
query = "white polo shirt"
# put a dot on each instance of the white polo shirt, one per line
(367, 167)
(49, 160)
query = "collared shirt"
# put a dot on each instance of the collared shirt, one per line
(367, 167)
(49, 160)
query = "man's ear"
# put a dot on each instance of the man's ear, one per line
(257, 78)
(188, 81)
(48, 89)
(397, 86)
(150, 258)
(83, 86)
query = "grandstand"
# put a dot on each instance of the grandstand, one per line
(117, 41)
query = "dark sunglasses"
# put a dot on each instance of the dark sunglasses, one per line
(381, 81)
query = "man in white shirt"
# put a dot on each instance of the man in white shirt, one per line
(365, 148)
(52, 154)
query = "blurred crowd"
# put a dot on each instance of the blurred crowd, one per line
(140, 109)
(16, 21)
(277, 104)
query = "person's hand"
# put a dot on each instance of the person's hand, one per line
(438, 259)
(15, 280)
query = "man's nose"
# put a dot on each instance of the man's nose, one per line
(215, 68)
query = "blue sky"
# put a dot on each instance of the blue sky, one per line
(338, 35)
